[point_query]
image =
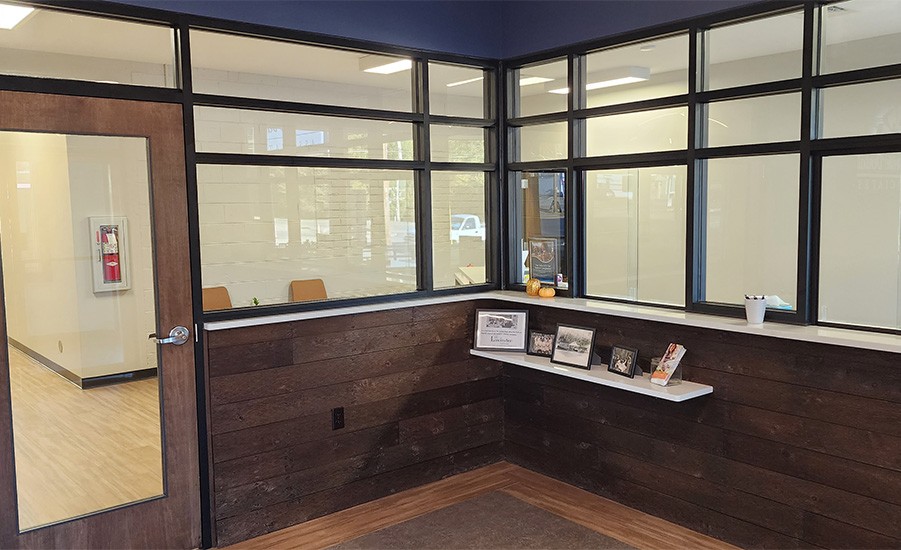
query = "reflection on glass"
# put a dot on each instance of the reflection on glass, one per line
(752, 228)
(646, 70)
(268, 133)
(861, 109)
(541, 142)
(752, 52)
(640, 132)
(756, 120)
(458, 228)
(539, 88)
(860, 227)
(859, 34)
(79, 287)
(455, 90)
(56, 44)
(457, 143)
(263, 227)
(242, 66)
(539, 224)
(635, 234)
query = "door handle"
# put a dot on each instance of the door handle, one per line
(177, 336)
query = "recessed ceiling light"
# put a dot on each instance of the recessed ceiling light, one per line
(380, 64)
(10, 16)
(462, 82)
(647, 48)
(529, 80)
(611, 77)
(561, 91)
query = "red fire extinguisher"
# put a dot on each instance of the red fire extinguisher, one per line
(109, 250)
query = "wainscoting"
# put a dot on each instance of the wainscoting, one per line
(798, 446)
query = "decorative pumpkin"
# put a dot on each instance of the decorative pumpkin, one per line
(547, 292)
(533, 285)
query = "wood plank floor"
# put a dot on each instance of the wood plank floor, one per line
(599, 514)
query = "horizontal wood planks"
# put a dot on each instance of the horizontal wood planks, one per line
(798, 446)
(417, 408)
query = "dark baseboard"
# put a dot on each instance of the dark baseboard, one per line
(83, 383)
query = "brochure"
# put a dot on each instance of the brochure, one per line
(668, 364)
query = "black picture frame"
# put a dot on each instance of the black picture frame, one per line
(623, 361)
(544, 259)
(541, 344)
(570, 348)
(491, 335)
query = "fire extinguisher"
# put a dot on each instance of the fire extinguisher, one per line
(109, 250)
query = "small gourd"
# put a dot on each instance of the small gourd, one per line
(533, 285)
(547, 292)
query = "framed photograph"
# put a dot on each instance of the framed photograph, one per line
(541, 343)
(544, 260)
(109, 256)
(573, 346)
(501, 330)
(622, 361)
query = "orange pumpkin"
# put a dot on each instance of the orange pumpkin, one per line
(533, 285)
(547, 292)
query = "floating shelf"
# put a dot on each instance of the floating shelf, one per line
(599, 375)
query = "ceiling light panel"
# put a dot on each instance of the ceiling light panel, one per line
(10, 16)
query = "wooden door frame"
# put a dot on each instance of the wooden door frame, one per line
(174, 520)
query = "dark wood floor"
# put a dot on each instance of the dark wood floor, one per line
(599, 514)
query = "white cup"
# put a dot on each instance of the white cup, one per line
(755, 309)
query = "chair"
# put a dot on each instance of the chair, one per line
(306, 290)
(216, 297)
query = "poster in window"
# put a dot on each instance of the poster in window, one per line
(109, 253)
(544, 260)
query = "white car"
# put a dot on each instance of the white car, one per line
(466, 225)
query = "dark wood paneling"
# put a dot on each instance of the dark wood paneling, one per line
(798, 446)
(417, 406)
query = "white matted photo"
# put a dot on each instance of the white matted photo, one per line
(573, 346)
(502, 330)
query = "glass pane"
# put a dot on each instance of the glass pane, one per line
(755, 120)
(539, 224)
(458, 228)
(261, 228)
(539, 88)
(640, 132)
(457, 144)
(269, 133)
(647, 70)
(763, 50)
(635, 234)
(542, 142)
(55, 44)
(79, 287)
(860, 230)
(860, 34)
(861, 109)
(455, 90)
(253, 67)
(752, 228)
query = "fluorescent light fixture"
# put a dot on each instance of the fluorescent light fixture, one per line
(529, 80)
(380, 64)
(462, 82)
(612, 77)
(10, 16)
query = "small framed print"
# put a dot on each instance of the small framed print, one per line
(541, 343)
(573, 346)
(623, 361)
(501, 330)
(544, 261)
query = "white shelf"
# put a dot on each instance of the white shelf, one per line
(599, 375)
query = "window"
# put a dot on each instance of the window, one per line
(457, 144)
(456, 90)
(861, 109)
(757, 120)
(459, 228)
(539, 227)
(859, 34)
(639, 132)
(539, 88)
(541, 142)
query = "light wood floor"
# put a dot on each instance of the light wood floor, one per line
(78, 451)
(599, 514)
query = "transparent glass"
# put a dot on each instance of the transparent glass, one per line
(762, 50)
(861, 109)
(457, 143)
(78, 280)
(752, 228)
(635, 234)
(859, 34)
(241, 66)
(860, 228)
(646, 70)
(538, 222)
(458, 228)
(263, 227)
(539, 88)
(541, 142)
(456, 90)
(639, 132)
(56, 44)
(756, 120)
(219, 130)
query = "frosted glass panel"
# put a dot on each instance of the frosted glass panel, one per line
(542, 141)
(756, 120)
(641, 132)
(861, 109)
(457, 143)
(860, 34)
